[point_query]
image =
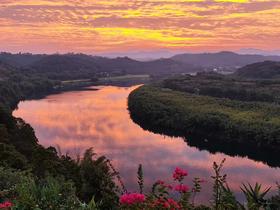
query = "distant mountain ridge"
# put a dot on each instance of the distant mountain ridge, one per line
(223, 59)
(259, 51)
(87, 66)
(90, 64)
(20, 59)
(76, 66)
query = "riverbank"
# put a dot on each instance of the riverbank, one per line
(82, 84)
(251, 127)
(20, 148)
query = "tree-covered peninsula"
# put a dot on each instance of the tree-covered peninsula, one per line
(211, 110)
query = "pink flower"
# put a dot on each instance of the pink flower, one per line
(173, 203)
(181, 188)
(167, 204)
(169, 187)
(6, 204)
(132, 198)
(160, 182)
(179, 174)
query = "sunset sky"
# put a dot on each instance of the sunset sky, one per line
(98, 26)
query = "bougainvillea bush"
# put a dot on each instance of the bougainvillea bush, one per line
(22, 191)
(180, 196)
(162, 195)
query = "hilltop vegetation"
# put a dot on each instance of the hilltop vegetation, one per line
(16, 85)
(20, 59)
(221, 86)
(81, 66)
(222, 59)
(264, 70)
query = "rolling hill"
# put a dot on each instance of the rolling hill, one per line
(222, 59)
(77, 66)
(262, 70)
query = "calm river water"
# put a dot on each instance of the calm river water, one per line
(78, 120)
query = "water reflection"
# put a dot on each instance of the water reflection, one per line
(82, 119)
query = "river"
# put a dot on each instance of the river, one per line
(77, 120)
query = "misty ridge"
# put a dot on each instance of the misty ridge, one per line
(84, 66)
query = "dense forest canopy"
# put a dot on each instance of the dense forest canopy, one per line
(221, 86)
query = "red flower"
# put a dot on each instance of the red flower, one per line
(181, 188)
(6, 204)
(179, 174)
(173, 203)
(132, 198)
(160, 182)
(169, 186)
(166, 204)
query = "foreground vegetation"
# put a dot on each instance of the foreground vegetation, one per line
(22, 191)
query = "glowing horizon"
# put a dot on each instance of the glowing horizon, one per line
(100, 26)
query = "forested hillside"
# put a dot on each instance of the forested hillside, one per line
(17, 85)
(222, 59)
(221, 86)
(263, 70)
(20, 150)
(81, 66)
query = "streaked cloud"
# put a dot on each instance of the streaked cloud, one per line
(109, 25)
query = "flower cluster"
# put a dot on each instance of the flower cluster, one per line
(181, 188)
(161, 195)
(167, 204)
(179, 174)
(132, 198)
(6, 204)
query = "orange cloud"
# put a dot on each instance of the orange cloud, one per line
(111, 25)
